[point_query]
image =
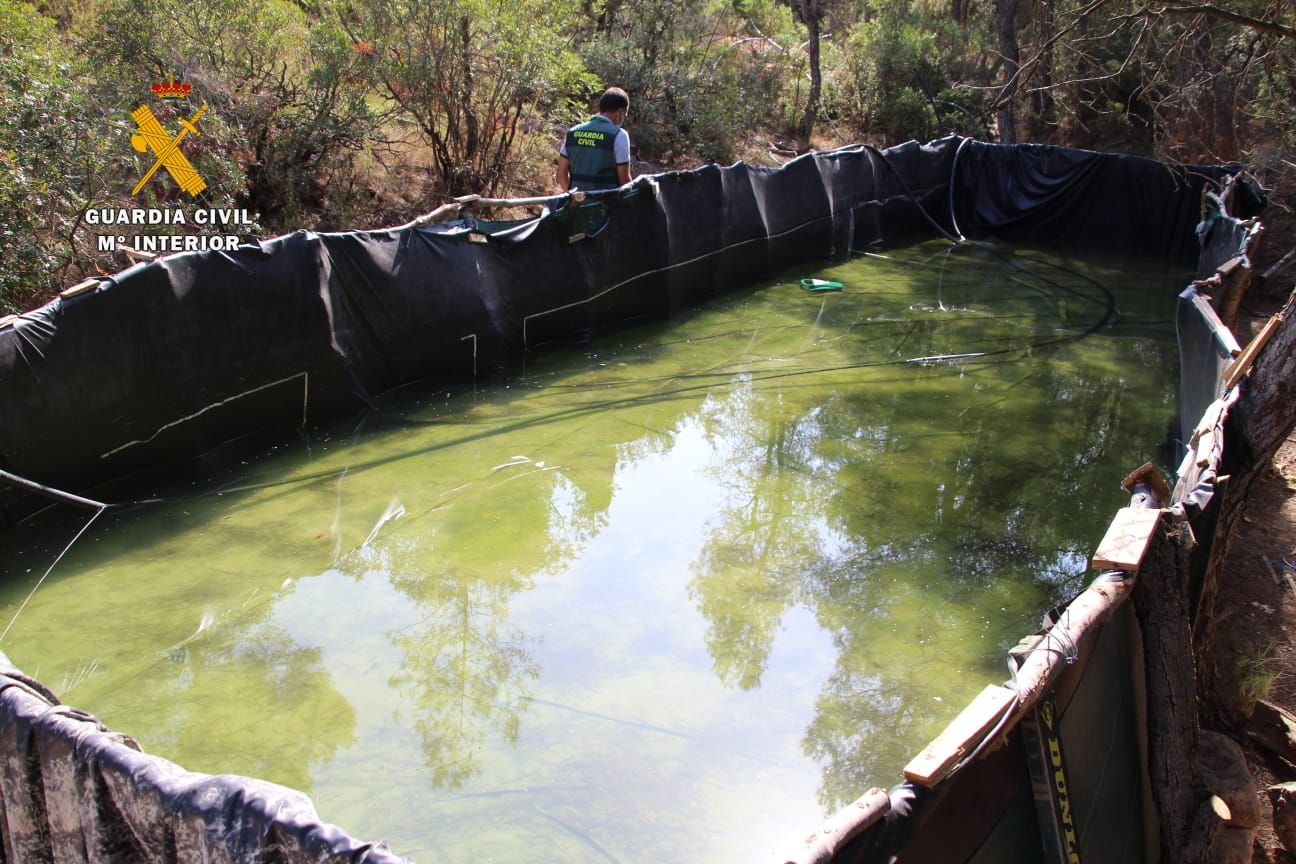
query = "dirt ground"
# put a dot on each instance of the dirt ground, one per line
(1255, 649)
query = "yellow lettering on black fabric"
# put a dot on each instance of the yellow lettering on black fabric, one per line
(1063, 794)
(1050, 785)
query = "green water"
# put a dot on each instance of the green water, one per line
(668, 598)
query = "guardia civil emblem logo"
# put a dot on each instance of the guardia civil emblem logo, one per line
(151, 137)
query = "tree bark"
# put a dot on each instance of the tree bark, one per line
(810, 14)
(1041, 118)
(1006, 26)
(1266, 410)
(1265, 414)
(1161, 603)
(1263, 417)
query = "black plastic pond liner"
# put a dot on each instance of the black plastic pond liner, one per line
(987, 813)
(170, 358)
(73, 791)
(1080, 791)
(1080, 201)
(173, 357)
(1201, 369)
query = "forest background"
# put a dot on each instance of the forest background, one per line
(335, 114)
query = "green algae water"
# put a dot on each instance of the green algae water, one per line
(672, 596)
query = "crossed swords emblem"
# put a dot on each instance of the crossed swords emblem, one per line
(151, 136)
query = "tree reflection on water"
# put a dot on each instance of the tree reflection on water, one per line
(465, 673)
(907, 517)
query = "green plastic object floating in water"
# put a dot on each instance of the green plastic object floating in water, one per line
(818, 285)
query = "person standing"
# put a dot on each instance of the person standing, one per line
(596, 154)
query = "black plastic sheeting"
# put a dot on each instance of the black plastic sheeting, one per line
(1206, 347)
(984, 812)
(74, 792)
(1081, 200)
(171, 358)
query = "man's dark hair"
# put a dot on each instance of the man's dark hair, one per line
(613, 99)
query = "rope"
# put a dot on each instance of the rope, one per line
(45, 575)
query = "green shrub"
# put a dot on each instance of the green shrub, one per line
(57, 151)
(287, 95)
(472, 75)
(902, 63)
(696, 75)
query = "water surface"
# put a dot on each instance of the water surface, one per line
(668, 597)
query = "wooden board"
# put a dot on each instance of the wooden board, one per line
(1217, 326)
(1242, 364)
(959, 737)
(1127, 539)
(1230, 265)
(80, 288)
(1282, 263)
(136, 254)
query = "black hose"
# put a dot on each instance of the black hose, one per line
(50, 492)
(912, 197)
(953, 170)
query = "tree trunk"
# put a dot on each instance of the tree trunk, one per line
(810, 13)
(469, 172)
(1161, 603)
(1041, 120)
(1264, 416)
(1006, 26)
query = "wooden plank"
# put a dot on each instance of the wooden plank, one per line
(1127, 539)
(79, 288)
(1242, 363)
(1230, 265)
(1236, 274)
(1266, 408)
(958, 739)
(1217, 325)
(135, 254)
